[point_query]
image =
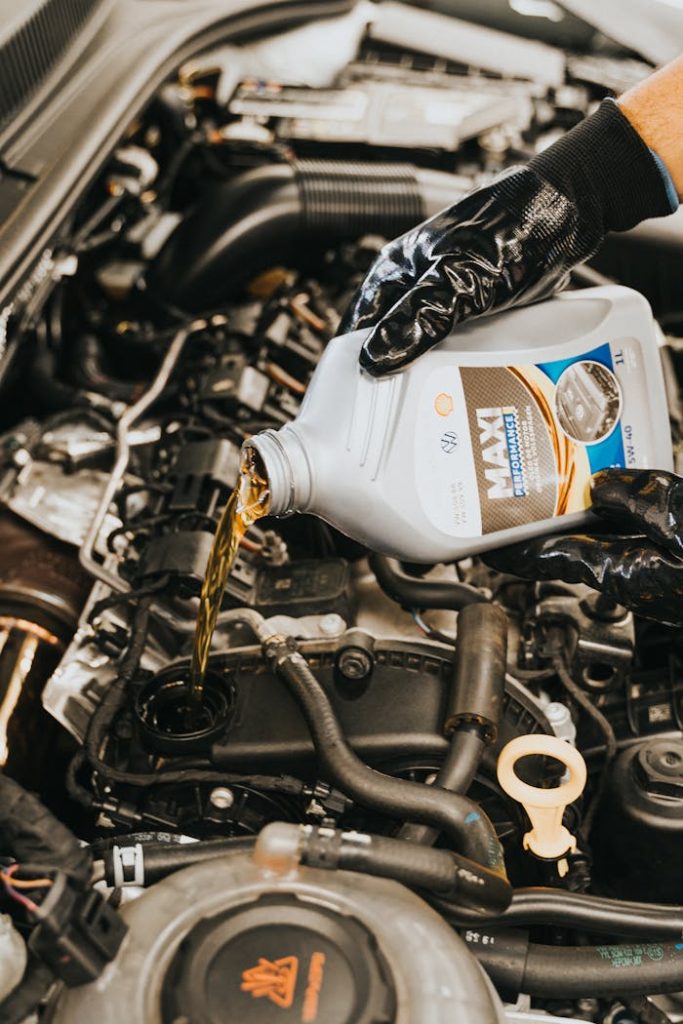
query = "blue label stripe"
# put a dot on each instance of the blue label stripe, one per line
(602, 354)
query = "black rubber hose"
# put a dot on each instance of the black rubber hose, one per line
(157, 860)
(456, 774)
(463, 757)
(25, 999)
(44, 382)
(90, 372)
(475, 702)
(476, 695)
(583, 912)
(473, 885)
(575, 972)
(35, 836)
(267, 215)
(411, 592)
(467, 825)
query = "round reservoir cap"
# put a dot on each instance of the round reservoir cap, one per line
(279, 960)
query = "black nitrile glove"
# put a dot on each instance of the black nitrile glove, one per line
(639, 566)
(510, 243)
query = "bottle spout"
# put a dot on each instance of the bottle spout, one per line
(286, 468)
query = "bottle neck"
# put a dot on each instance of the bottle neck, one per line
(286, 467)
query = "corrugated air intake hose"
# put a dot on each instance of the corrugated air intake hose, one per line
(265, 216)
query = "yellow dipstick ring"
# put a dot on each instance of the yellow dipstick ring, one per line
(548, 837)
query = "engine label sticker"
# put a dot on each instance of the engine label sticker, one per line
(509, 445)
(631, 955)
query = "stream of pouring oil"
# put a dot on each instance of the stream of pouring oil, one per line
(248, 502)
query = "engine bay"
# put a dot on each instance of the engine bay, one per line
(184, 308)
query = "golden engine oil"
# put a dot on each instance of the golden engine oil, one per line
(247, 503)
(489, 438)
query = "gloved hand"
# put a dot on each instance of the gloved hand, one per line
(640, 565)
(509, 243)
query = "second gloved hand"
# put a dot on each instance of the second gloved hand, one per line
(639, 565)
(512, 242)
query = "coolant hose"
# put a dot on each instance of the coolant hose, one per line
(537, 906)
(266, 215)
(462, 759)
(467, 825)
(472, 885)
(456, 775)
(411, 592)
(574, 972)
(144, 864)
(282, 846)
(475, 702)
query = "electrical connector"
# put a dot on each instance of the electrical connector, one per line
(78, 933)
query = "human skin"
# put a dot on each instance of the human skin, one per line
(655, 109)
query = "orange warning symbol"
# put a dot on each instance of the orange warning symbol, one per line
(274, 979)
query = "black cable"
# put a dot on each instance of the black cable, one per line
(124, 597)
(559, 663)
(463, 819)
(112, 701)
(283, 784)
(410, 592)
(73, 787)
(105, 210)
(172, 169)
(33, 834)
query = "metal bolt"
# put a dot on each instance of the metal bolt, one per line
(355, 663)
(222, 798)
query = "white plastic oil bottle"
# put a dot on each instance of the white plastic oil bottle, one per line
(490, 438)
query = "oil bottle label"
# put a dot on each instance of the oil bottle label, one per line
(508, 445)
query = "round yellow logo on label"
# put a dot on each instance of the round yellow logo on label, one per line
(443, 404)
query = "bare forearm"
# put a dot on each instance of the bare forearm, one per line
(655, 109)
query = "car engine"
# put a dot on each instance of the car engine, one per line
(282, 853)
